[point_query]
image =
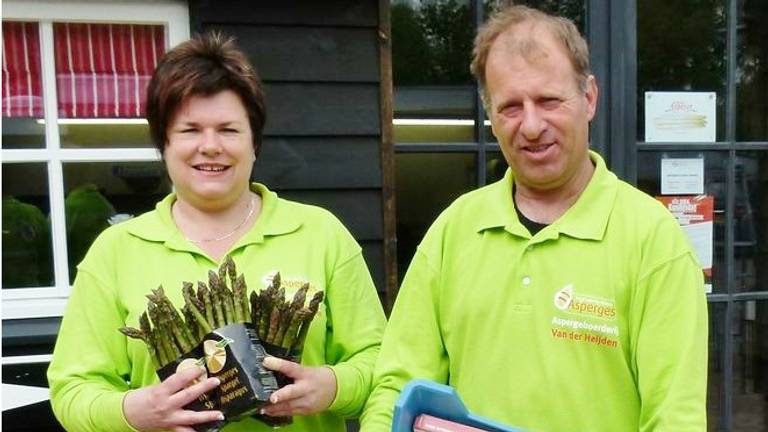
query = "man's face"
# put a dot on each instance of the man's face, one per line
(538, 113)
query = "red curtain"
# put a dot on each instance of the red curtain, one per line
(102, 70)
(22, 85)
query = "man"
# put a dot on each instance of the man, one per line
(559, 298)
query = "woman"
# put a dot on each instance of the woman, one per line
(205, 108)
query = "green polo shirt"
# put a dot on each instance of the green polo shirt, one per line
(94, 365)
(596, 323)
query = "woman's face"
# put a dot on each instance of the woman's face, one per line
(209, 154)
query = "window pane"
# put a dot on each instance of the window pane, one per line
(715, 376)
(426, 184)
(102, 72)
(431, 51)
(101, 194)
(750, 366)
(750, 219)
(22, 86)
(715, 163)
(495, 167)
(571, 9)
(752, 72)
(676, 54)
(27, 251)
(105, 135)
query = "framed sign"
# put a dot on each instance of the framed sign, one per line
(680, 116)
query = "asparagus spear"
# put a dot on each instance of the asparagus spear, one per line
(300, 297)
(255, 310)
(266, 313)
(151, 340)
(293, 328)
(277, 312)
(180, 331)
(135, 333)
(223, 273)
(191, 322)
(224, 295)
(232, 270)
(194, 308)
(288, 313)
(314, 305)
(204, 296)
(237, 293)
(218, 305)
(245, 306)
(165, 340)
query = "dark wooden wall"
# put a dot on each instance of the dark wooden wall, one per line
(320, 63)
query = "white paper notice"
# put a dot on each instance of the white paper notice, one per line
(680, 116)
(682, 176)
(700, 235)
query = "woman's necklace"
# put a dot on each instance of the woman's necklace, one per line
(234, 230)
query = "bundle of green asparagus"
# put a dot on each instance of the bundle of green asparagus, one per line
(214, 305)
(281, 323)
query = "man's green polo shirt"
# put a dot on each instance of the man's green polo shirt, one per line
(596, 323)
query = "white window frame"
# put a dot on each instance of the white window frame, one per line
(42, 302)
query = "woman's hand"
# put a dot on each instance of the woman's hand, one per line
(312, 391)
(160, 406)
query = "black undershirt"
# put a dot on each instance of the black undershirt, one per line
(532, 226)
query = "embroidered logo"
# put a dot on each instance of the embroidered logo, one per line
(567, 300)
(564, 297)
(585, 309)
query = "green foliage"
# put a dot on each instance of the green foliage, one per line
(431, 42)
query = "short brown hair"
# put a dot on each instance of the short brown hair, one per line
(203, 66)
(509, 17)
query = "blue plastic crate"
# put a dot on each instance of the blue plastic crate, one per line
(427, 397)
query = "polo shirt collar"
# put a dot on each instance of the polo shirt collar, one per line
(274, 220)
(587, 218)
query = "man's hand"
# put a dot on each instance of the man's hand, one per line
(312, 391)
(160, 406)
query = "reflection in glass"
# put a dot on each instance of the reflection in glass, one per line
(750, 229)
(431, 42)
(571, 9)
(675, 54)
(104, 135)
(750, 366)
(22, 133)
(431, 51)
(101, 194)
(27, 250)
(442, 131)
(22, 86)
(495, 166)
(715, 163)
(752, 72)
(102, 70)
(426, 184)
(715, 370)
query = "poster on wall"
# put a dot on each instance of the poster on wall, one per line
(695, 216)
(680, 116)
